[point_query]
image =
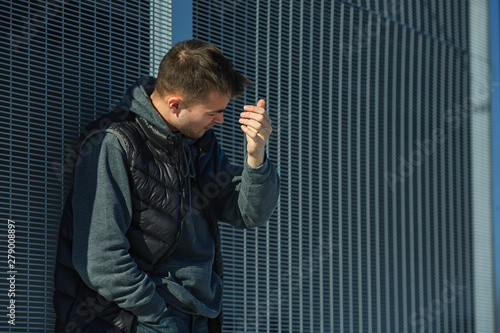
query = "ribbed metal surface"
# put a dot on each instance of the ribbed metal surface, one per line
(372, 138)
(370, 102)
(63, 63)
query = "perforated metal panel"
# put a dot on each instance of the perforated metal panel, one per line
(372, 139)
(375, 138)
(63, 63)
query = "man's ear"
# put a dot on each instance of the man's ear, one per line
(175, 104)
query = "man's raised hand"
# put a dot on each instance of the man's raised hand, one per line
(257, 126)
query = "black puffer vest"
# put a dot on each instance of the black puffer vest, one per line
(156, 163)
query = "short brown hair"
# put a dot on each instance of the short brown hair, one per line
(194, 68)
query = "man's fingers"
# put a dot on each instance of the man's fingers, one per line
(257, 113)
(259, 108)
(260, 118)
(256, 123)
(258, 137)
(257, 126)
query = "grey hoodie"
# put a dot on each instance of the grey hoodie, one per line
(102, 215)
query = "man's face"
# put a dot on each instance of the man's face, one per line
(193, 121)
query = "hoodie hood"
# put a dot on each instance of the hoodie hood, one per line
(137, 100)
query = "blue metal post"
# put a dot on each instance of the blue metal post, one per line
(182, 20)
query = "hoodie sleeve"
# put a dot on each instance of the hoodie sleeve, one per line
(102, 215)
(249, 199)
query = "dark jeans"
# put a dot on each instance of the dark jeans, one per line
(173, 321)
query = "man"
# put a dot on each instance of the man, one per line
(139, 244)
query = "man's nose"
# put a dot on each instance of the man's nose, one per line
(219, 118)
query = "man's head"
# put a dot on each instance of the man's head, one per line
(194, 85)
(194, 69)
